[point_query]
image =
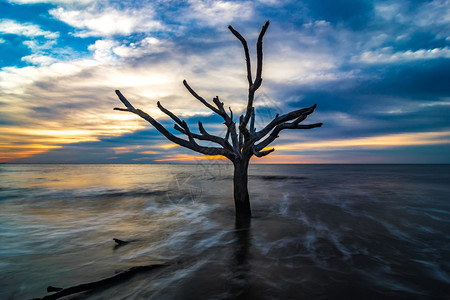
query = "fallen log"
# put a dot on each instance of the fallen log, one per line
(96, 284)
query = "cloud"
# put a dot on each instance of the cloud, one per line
(40, 42)
(10, 152)
(108, 21)
(56, 2)
(386, 55)
(16, 81)
(51, 1)
(375, 70)
(75, 98)
(111, 51)
(25, 29)
(426, 14)
(36, 46)
(218, 13)
(103, 50)
(146, 46)
(36, 59)
(421, 26)
(270, 2)
(374, 142)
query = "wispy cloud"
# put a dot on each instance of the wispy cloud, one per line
(386, 55)
(25, 29)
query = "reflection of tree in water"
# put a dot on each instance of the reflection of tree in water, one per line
(241, 267)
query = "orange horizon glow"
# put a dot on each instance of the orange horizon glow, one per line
(29, 151)
(375, 142)
(284, 154)
(191, 157)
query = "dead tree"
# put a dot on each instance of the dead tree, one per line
(240, 142)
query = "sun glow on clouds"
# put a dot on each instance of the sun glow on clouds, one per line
(166, 146)
(36, 141)
(189, 158)
(139, 148)
(375, 142)
(9, 152)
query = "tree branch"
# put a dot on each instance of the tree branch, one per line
(188, 133)
(241, 133)
(262, 153)
(96, 284)
(247, 55)
(252, 121)
(258, 80)
(124, 101)
(196, 96)
(296, 114)
(205, 136)
(280, 127)
(191, 144)
(214, 138)
(169, 113)
(221, 112)
(259, 55)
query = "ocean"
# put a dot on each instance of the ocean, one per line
(317, 231)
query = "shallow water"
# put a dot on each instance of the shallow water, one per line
(317, 232)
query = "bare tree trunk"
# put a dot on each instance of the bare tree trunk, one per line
(240, 181)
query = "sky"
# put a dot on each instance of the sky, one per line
(379, 72)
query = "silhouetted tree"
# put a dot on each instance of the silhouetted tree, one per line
(241, 143)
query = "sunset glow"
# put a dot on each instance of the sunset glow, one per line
(189, 158)
(376, 142)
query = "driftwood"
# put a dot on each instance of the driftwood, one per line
(120, 242)
(51, 289)
(241, 143)
(62, 292)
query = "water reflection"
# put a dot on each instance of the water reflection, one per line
(241, 267)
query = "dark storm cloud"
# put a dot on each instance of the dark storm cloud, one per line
(423, 80)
